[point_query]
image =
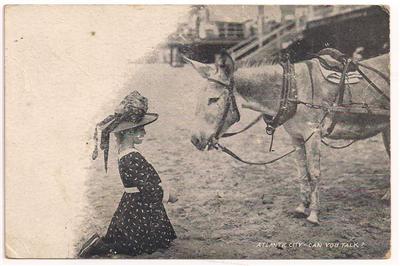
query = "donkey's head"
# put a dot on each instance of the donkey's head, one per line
(216, 107)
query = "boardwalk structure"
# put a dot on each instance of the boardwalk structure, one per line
(303, 30)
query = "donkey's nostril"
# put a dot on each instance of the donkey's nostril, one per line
(195, 141)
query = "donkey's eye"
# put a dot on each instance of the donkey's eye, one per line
(212, 100)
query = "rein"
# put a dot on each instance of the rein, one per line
(383, 76)
(287, 108)
(231, 100)
(218, 146)
(227, 135)
(386, 78)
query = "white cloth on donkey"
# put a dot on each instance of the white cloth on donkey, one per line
(334, 76)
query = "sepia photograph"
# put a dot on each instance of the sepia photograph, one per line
(197, 132)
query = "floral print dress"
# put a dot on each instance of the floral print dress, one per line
(140, 224)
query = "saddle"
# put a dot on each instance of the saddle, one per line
(334, 60)
(332, 64)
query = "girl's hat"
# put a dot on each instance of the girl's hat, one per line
(130, 113)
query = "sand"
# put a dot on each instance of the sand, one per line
(229, 210)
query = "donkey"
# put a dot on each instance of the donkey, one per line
(260, 86)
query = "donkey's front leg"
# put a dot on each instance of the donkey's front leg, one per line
(313, 152)
(303, 176)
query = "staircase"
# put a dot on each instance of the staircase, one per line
(269, 44)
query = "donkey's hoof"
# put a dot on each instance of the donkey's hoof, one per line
(300, 209)
(313, 218)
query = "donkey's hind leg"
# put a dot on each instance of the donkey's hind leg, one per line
(303, 176)
(386, 142)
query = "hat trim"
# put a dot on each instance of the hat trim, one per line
(147, 119)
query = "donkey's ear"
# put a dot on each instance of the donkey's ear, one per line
(225, 64)
(204, 70)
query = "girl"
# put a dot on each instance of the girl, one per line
(140, 223)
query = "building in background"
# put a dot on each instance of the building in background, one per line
(262, 32)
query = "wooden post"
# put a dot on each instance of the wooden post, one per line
(335, 10)
(171, 55)
(260, 24)
(310, 13)
(279, 40)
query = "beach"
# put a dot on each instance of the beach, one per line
(229, 210)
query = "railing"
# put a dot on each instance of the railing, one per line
(290, 31)
(219, 30)
(249, 46)
(320, 12)
(274, 46)
(242, 44)
(230, 30)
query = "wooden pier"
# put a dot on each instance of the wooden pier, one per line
(341, 27)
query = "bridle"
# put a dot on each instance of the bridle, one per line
(230, 102)
(286, 110)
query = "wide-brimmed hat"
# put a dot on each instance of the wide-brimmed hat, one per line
(130, 113)
(132, 122)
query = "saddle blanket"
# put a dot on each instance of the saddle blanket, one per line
(334, 77)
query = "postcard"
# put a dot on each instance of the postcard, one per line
(197, 131)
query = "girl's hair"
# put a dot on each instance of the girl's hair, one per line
(120, 134)
(118, 137)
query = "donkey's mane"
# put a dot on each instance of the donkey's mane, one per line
(249, 70)
(257, 63)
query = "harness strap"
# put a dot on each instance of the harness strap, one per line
(282, 104)
(272, 142)
(386, 78)
(224, 115)
(339, 96)
(342, 84)
(218, 146)
(372, 83)
(230, 87)
(310, 69)
(227, 135)
(286, 108)
(232, 154)
(338, 147)
(232, 98)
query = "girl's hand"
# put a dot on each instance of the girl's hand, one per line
(169, 195)
(172, 197)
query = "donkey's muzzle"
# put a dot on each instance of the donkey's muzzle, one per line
(197, 143)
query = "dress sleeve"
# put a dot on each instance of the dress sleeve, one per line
(136, 171)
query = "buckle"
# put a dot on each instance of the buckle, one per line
(270, 129)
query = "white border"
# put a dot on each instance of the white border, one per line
(395, 116)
